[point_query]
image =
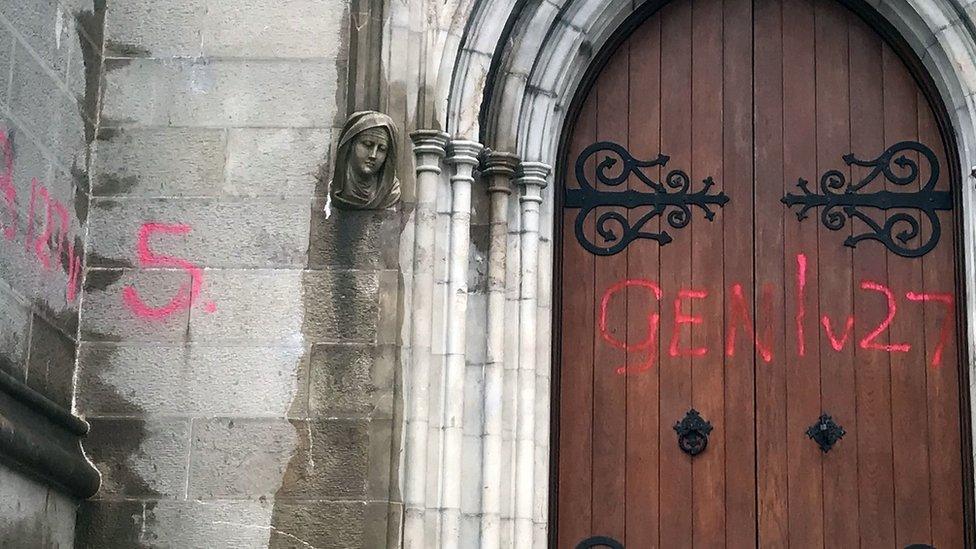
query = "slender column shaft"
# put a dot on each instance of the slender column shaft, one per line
(463, 159)
(532, 177)
(499, 171)
(428, 150)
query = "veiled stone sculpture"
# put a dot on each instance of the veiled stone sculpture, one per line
(364, 171)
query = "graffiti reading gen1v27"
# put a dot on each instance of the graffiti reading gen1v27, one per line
(738, 317)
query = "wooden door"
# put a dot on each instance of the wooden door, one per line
(690, 282)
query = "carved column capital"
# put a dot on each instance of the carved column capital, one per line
(500, 168)
(533, 176)
(429, 148)
(464, 156)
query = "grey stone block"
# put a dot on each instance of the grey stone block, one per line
(104, 524)
(351, 381)
(15, 320)
(45, 25)
(364, 239)
(159, 162)
(107, 316)
(203, 525)
(342, 306)
(288, 306)
(139, 458)
(220, 233)
(48, 111)
(324, 524)
(292, 28)
(241, 458)
(51, 363)
(222, 93)
(247, 459)
(191, 380)
(275, 162)
(159, 29)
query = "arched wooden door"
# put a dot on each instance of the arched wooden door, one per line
(751, 276)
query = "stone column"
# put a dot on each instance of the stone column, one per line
(428, 150)
(463, 160)
(533, 176)
(499, 171)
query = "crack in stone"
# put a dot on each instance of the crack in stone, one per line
(268, 528)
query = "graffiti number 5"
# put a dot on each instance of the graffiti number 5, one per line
(188, 293)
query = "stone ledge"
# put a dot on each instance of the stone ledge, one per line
(42, 439)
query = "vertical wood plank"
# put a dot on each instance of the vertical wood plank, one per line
(805, 472)
(676, 479)
(708, 369)
(836, 280)
(942, 383)
(643, 262)
(906, 333)
(875, 477)
(609, 388)
(576, 367)
(768, 313)
(737, 219)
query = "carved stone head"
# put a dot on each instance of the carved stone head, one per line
(364, 171)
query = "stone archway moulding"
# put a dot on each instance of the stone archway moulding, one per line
(475, 460)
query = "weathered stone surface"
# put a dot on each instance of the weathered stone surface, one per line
(6, 63)
(293, 28)
(343, 306)
(107, 317)
(226, 92)
(241, 458)
(32, 514)
(354, 239)
(191, 380)
(205, 524)
(159, 162)
(52, 115)
(51, 366)
(218, 232)
(324, 524)
(248, 459)
(105, 524)
(351, 380)
(44, 24)
(15, 319)
(275, 162)
(139, 458)
(253, 306)
(160, 29)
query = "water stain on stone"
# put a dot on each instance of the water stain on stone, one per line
(91, 34)
(103, 521)
(114, 47)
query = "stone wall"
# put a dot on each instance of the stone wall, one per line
(237, 346)
(49, 62)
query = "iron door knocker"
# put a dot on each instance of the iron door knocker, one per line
(693, 433)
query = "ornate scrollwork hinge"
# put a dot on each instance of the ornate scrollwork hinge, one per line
(926, 200)
(599, 541)
(674, 195)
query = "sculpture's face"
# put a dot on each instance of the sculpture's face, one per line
(369, 151)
